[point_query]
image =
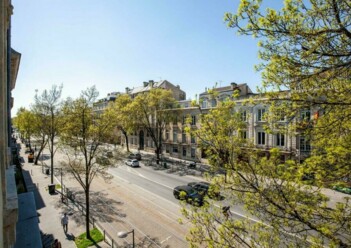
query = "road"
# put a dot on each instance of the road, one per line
(140, 199)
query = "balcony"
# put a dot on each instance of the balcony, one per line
(11, 206)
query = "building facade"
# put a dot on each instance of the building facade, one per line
(179, 144)
(9, 64)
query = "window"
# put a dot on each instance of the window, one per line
(260, 114)
(243, 134)
(184, 119)
(193, 150)
(167, 149)
(305, 144)
(261, 138)
(280, 141)
(193, 120)
(243, 115)
(167, 134)
(186, 105)
(204, 103)
(183, 137)
(193, 139)
(184, 151)
(305, 114)
(175, 136)
(175, 149)
(214, 103)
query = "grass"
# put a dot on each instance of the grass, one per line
(82, 242)
(58, 186)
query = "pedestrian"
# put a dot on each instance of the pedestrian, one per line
(226, 211)
(64, 222)
(56, 244)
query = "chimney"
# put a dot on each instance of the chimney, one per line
(178, 86)
(145, 84)
(127, 90)
(151, 83)
(233, 84)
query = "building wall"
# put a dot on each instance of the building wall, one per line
(174, 145)
(8, 72)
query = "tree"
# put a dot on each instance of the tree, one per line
(39, 123)
(49, 104)
(24, 122)
(289, 212)
(82, 136)
(306, 51)
(119, 111)
(153, 110)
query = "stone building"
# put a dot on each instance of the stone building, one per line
(178, 94)
(179, 144)
(9, 64)
(101, 104)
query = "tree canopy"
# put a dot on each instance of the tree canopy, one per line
(305, 49)
(153, 111)
(82, 139)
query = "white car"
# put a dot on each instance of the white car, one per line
(132, 162)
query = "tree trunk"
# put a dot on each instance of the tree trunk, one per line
(87, 215)
(52, 160)
(157, 155)
(126, 137)
(38, 156)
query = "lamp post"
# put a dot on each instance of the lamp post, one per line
(125, 234)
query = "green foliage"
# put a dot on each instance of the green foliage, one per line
(288, 212)
(81, 138)
(25, 122)
(305, 51)
(120, 112)
(96, 236)
(153, 110)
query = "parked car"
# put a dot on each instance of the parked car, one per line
(205, 188)
(188, 194)
(132, 163)
(135, 156)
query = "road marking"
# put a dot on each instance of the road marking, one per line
(166, 239)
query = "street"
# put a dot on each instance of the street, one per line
(139, 199)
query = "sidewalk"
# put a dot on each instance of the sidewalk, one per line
(50, 208)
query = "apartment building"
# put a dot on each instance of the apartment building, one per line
(9, 64)
(101, 104)
(179, 144)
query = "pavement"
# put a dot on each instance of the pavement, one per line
(50, 208)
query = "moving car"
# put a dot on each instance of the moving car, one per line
(187, 193)
(205, 188)
(132, 163)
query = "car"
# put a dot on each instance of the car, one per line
(205, 188)
(189, 194)
(135, 156)
(132, 163)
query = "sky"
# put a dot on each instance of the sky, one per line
(114, 44)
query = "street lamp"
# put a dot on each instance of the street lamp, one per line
(125, 234)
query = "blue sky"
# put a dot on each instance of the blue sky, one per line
(114, 44)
